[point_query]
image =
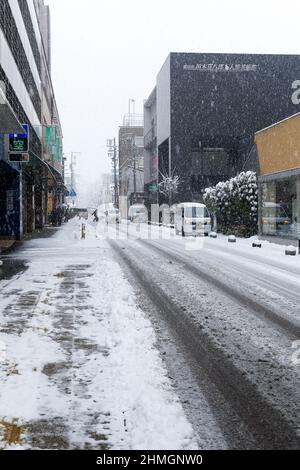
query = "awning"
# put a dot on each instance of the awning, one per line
(57, 177)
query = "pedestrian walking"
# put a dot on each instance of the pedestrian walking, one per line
(95, 214)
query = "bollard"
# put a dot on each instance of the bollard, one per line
(83, 231)
(291, 251)
(231, 239)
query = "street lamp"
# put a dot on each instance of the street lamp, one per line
(133, 114)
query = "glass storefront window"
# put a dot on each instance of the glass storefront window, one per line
(280, 207)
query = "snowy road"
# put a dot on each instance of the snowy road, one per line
(236, 310)
(78, 364)
(135, 338)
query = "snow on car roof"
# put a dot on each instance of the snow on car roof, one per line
(191, 204)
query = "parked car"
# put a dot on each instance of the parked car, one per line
(138, 213)
(192, 218)
(79, 212)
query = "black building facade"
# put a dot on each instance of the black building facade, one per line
(207, 109)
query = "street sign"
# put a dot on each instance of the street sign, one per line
(19, 143)
(19, 157)
(153, 188)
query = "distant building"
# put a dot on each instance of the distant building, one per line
(131, 161)
(201, 117)
(105, 190)
(278, 149)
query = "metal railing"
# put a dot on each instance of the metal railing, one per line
(133, 120)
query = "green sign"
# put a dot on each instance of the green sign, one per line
(53, 143)
(153, 188)
(19, 143)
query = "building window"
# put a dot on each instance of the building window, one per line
(280, 207)
(11, 33)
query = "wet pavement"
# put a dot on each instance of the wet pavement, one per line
(12, 267)
(47, 298)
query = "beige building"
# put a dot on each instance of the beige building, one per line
(278, 148)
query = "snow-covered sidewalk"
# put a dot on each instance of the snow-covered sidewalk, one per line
(79, 366)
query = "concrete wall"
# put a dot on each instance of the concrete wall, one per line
(163, 91)
(150, 134)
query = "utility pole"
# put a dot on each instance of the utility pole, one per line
(73, 172)
(112, 153)
(134, 170)
(116, 176)
(72, 168)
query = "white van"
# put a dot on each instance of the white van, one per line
(192, 218)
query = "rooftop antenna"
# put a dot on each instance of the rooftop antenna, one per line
(131, 109)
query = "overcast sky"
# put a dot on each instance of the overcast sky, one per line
(105, 52)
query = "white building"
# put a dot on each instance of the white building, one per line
(32, 189)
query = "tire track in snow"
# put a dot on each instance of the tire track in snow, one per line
(280, 320)
(268, 426)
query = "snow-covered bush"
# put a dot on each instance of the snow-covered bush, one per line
(235, 203)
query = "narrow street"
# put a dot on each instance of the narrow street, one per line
(149, 233)
(136, 338)
(79, 368)
(236, 310)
